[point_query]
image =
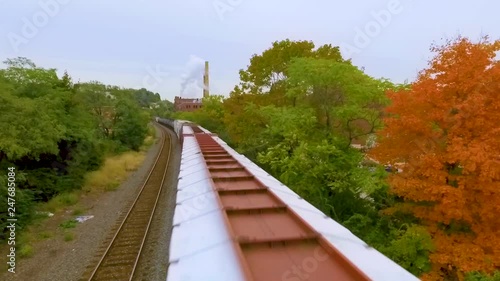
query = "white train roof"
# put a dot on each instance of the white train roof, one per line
(201, 248)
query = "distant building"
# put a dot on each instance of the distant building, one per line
(183, 104)
(192, 104)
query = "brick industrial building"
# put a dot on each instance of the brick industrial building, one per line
(192, 104)
(187, 104)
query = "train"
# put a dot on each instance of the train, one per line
(174, 125)
(235, 222)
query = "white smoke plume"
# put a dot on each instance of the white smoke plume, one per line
(193, 77)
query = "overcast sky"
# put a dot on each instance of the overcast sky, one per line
(161, 44)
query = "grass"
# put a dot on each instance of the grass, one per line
(78, 211)
(150, 138)
(26, 250)
(60, 202)
(69, 199)
(114, 171)
(24, 243)
(69, 224)
(148, 142)
(45, 234)
(69, 236)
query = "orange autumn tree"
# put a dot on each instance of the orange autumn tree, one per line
(446, 129)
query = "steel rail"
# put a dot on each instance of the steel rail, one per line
(119, 231)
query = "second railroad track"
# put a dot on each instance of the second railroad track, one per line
(120, 259)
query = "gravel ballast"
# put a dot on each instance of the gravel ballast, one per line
(153, 264)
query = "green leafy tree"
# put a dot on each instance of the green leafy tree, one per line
(163, 109)
(29, 127)
(146, 98)
(98, 100)
(54, 131)
(129, 124)
(346, 100)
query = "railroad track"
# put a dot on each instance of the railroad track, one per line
(120, 259)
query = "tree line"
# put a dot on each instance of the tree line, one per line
(424, 187)
(54, 131)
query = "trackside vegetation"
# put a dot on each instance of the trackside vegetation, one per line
(56, 132)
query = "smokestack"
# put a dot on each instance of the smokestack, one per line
(206, 92)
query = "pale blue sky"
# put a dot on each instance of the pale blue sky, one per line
(123, 42)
